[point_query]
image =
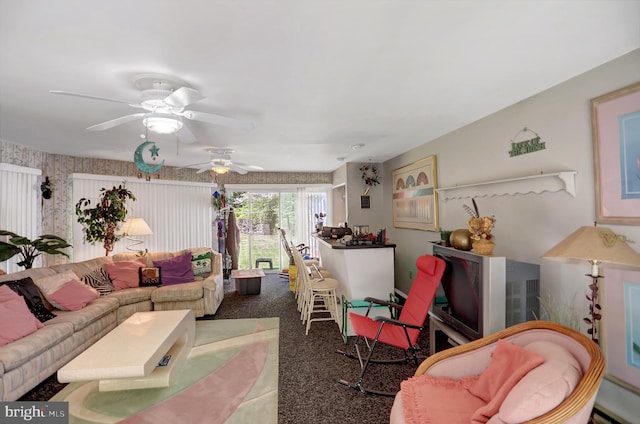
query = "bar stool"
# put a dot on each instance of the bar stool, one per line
(317, 297)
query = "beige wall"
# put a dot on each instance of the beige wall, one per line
(526, 225)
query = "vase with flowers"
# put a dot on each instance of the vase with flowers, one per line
(480, 228)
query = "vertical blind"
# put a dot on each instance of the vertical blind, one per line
(179, 213)
(19, 211)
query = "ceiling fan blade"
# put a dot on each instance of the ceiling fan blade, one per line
(86, 96)
(234, 167)
(193, 165)
(186, 136)
(254, 167)
(183, 97)
(115, 122)
(201, 170)
(218, 120)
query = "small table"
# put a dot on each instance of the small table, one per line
(128, 356)
(248, 281)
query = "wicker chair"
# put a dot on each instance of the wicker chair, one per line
(471, 359)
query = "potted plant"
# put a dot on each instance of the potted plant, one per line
(30, 249)
(101, 221)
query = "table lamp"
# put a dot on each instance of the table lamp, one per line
(134, 227)
(598, 246)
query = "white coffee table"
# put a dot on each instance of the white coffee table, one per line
(128, 356)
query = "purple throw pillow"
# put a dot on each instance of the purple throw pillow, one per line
(176, 270)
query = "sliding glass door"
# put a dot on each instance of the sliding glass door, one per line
(260, 212)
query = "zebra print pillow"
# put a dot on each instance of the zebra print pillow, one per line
(99, 280)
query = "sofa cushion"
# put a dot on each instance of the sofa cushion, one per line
(26, 288)
(544, 387)
(14, 354)
(129, 296)
(83, 267)
(176, 270)
(178, 292)
(49, 285)
(74, 295)
(16, 321)
(99, 280)
(91, 313)
(124, 274)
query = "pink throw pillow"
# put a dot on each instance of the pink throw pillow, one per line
(176, 270)
(124, 274)
(543, 388)
(6, 294)
(16, 321)
(509, 363)
(74, 295)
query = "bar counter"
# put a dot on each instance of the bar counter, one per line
(363, 270)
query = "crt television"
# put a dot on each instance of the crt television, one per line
(484, 294)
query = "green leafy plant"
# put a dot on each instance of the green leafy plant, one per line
(28, 249)
(101, 221)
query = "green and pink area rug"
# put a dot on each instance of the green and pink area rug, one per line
(231, 376)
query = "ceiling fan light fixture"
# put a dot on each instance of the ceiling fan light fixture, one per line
(220, 169)
(162, 124)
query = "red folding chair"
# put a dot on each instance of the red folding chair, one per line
(402, 332)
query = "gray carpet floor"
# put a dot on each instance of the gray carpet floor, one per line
(308, 391)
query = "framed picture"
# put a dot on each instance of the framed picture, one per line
(415, 201)
(365, 202)
(615, 120)
(620, 327)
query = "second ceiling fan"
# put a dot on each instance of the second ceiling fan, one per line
(220, 163)
(164, 100)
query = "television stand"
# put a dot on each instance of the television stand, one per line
(454, 338)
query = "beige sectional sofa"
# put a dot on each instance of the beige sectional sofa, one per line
(26, 362)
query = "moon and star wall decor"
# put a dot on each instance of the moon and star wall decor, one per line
(144, 167)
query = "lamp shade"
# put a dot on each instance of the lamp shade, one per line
(135, 227)
(596, 245)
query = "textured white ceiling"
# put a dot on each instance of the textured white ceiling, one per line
(314, 77)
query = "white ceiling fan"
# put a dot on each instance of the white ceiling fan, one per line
(221, 163)
(164, 100)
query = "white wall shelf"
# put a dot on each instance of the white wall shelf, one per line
(540, 183)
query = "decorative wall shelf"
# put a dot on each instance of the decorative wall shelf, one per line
(556, 181)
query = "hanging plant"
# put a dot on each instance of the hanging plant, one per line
(100, 222)
(370, 175)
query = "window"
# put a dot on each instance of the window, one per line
(179, 213)
(20, 200)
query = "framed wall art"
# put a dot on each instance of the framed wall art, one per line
(620, 326)
(415, 201)
(365, 202)
(615, 120)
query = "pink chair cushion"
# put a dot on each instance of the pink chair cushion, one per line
(509, 363)
(544, 387)
(429, 399)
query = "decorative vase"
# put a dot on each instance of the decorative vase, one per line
(483, 247)
(461, 239)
